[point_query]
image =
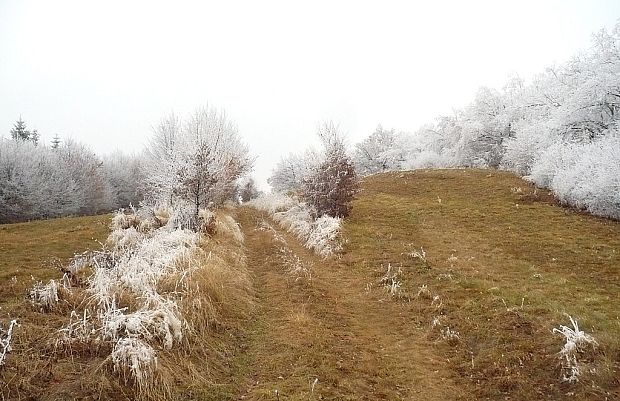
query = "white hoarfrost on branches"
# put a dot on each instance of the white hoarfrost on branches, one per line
(560, 131)
(576, 342)
(5, 341)
(323, 235)
(37, 181)
(196, 161)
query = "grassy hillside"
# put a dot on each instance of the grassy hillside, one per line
(449, 287)
(32, 251)
(507, 263)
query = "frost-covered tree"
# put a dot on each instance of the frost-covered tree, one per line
(196, 162)
(123, 175)
(381, 151)
(331, 188)
(292, 170)
(40, 182)
(55, 142)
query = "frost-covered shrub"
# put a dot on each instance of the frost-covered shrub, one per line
(583, 175)
(427, 159)
(576, 342)
(297, 220)
(272, 202)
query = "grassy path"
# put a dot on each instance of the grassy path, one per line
(486, 266)
(319, 334)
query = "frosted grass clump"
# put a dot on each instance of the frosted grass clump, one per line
(227, 225)
(297, 220)
(44, 296)
(135, 358)
(80, 329)
(128, 272)
(5, 341)
(576, 341)
(322, 235)
(122, 221)
(148, 262)
(124, 239)
(161, 322)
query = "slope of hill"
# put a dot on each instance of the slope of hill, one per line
(507, 264)
(449, 286)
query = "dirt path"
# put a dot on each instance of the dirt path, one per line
(319, 334)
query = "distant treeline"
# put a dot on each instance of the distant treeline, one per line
(66, 178)
(560, 131)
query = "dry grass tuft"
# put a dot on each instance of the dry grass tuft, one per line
(111, 336)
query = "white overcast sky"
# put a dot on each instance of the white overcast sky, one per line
(105, 72)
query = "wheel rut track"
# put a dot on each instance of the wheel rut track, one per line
(323, 336)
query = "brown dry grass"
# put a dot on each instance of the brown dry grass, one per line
(325, 325)
(490, 248)
(505, 265)
(216, 304)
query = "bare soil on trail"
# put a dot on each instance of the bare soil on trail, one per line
(320, 334)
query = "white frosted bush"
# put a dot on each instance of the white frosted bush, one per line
(583, 175)
(427, 159)
(576, 341)
(136, 358)
(297, 220)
